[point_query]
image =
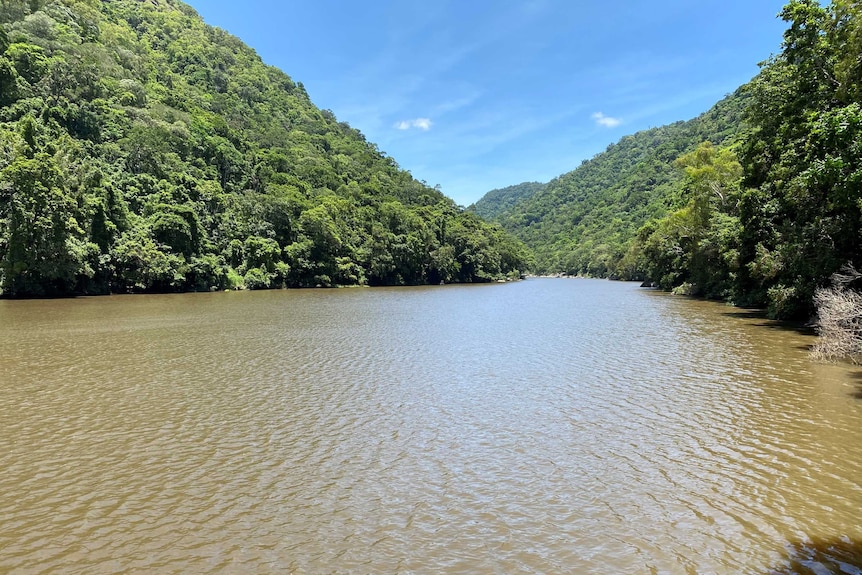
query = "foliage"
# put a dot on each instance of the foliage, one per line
(763, 216)
(795, 218)
(803, 159)
(142, 150)
(584, 222)
(696, 246)
(774, 238)
(495, 202)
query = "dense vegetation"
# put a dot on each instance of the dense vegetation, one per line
(802, 182)
(759, 201)
(584, 221)
(142, 150)
(769, 221)
(499, 201)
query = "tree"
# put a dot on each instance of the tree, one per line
(141, 150)
(803, 160)
(8, 82)
(694, 248)
(29, 61)
(45, 248)
(143, 265)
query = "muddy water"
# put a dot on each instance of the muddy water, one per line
(546, 426)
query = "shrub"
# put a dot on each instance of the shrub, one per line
(839, 319)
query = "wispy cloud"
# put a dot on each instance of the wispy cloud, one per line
(606, 121)
(455, 104)
(423, 124)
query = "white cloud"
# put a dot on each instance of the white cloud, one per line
(423, 124)
(606, 121)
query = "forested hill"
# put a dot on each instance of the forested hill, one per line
(758, 202)
(500, 201)
(142, 150)
(584, 221)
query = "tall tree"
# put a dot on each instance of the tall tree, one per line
(693, 249)
(44, 249)
(803, 159)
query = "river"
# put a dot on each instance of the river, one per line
(543, 426)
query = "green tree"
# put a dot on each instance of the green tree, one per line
(29, 61)
(803, 160)
(45, 249)
(143, 265)
(141, 150)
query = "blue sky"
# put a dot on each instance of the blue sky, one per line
(480, 94)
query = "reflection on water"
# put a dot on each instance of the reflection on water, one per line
(547, 426)
(819, 556)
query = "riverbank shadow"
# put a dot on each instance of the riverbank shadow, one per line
(760, 318)
(857, 375)
(821, 556)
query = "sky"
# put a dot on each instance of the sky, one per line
(474, 95)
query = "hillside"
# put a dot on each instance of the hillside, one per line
(499, 201)
(583, 222)
(757, 202)
(142, 150)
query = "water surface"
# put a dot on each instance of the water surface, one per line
(545, 426)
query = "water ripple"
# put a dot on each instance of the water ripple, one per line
(538, 427)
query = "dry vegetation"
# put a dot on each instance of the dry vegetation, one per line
(839, 319)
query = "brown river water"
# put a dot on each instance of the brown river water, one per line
(543, 426)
